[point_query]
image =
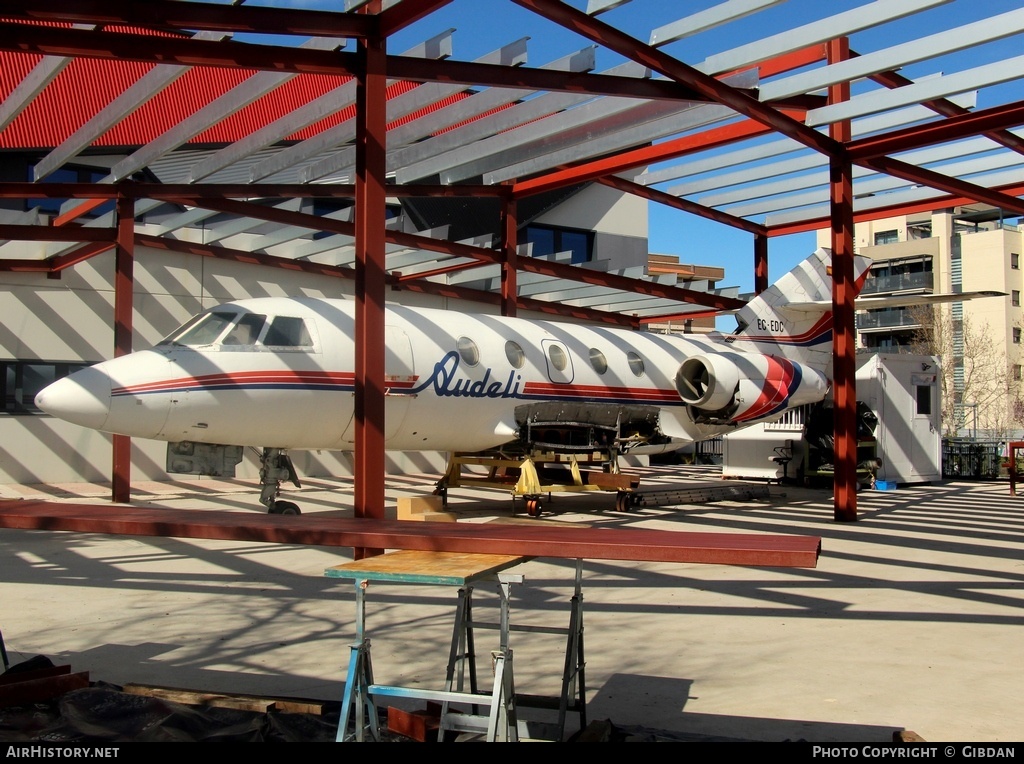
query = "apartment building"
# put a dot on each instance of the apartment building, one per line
(959, 249)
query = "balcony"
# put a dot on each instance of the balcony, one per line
(896, 318)
(898, 283)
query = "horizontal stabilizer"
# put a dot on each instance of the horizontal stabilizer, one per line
(899, 300)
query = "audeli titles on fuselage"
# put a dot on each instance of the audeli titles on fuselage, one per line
(444, 383)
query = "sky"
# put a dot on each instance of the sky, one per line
(480, 26)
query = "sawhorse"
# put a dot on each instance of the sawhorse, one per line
(359, 718)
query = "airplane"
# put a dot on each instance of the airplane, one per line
(277, 374)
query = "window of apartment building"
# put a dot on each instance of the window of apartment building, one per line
(21, 380)
(887, 237)
(1015, 261)
(1016, 372)
(1015, 297)
(1016, 335)
(549, 240)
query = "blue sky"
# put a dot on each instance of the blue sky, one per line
(484, 25)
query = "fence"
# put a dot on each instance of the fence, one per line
(968, 459)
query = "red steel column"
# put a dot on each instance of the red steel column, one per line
(509, 267)
(844, 389)
(124, 281)
(760, 263)
(371, 125)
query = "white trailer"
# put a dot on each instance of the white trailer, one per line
(904, 394)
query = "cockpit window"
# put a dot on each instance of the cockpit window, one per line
(242, 330)
(246, 331)
(287, 331)
(204, 329)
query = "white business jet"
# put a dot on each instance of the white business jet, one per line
(278, 374)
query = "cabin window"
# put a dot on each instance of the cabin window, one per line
(515, 355)
(288, 332)
(557, 356)
(598, 361)
(636, 364)
(468, 351)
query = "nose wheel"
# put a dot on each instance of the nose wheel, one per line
(284, 508)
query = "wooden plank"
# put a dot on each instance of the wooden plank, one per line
(423, 567)
(569, 542)
(254, 703)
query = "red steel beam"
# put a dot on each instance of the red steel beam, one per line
(124, 289)
(760, 263)
(679, 203)
(844, 332)
(949, 109)
(162, 14)
(53, 41)
(370, 284)
(540, 540)
(510, 266)
(243, 256)
(986, 122)
(400, 15)
(525, 303)
(421, 286)
(915, 174)
(49, 233)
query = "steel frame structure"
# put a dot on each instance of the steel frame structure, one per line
(28, 28)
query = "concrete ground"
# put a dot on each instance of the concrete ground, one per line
(910, 621)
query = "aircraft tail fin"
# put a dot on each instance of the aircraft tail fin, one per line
(793, 317)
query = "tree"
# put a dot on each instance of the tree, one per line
(980, 383)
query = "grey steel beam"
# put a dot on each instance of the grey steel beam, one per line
(925, 90)
(881, 184)
(469, 108)
(709, 18)
(637, 133)
(831, 28)
(579, 132)
(344, 96)
(470, 135)
(437, 47)
(753, 156)
(910, 195)
(786, 180)
(897, 56)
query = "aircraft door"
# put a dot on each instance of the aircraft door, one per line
(398, 377)
(558, 361)
(399, 374)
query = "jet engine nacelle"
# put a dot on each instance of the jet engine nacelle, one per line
(730, 388)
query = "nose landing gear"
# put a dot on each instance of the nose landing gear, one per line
(275, 466)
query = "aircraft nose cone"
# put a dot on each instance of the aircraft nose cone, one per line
(82, 398)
